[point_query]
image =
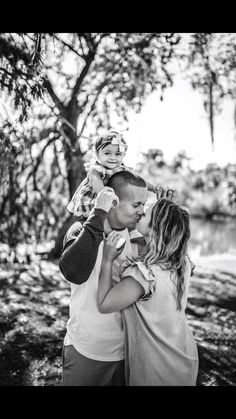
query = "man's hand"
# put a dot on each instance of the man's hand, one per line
(106, 199)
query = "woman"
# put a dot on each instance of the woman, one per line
(160, 347)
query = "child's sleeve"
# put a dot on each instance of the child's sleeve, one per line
(73, 202)
(141, 274)
(100, 169)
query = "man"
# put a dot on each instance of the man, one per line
(93, 352)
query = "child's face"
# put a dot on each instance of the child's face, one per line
(110, 156)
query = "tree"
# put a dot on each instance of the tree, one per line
(180, 161)
(156, 155)
(210, 65)
(109, 73)
(20, 68)
(85, 83)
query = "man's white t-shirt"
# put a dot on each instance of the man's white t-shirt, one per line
(96, 335)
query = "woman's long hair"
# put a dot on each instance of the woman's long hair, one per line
(169, 235)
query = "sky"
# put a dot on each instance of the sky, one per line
(179, 122)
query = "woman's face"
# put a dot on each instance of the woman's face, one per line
(144, 222)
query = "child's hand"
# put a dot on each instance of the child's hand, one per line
(109, 251)
(106, 199)
(89, 167)
(167, 193)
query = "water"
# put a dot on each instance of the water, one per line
(213, 237)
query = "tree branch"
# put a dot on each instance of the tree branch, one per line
(47, 84)
(64, 120)
(70, 47)
(80, 79)
(99, 90)
(81, 45)
(39, 157)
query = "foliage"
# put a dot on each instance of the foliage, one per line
(20, 69)
(69, 87)
(207, 193)
(31, 204)
(214, 191)
(107, 72)
(210, 65)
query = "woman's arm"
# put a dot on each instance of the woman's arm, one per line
(122, 295)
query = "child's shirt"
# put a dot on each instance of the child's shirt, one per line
(160, 347)
(83, 199)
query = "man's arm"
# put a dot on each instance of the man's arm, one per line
(81, 243)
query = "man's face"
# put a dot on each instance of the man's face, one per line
(130, 208)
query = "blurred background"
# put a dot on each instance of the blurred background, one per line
(173, 96)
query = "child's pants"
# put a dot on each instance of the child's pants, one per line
(78, 370)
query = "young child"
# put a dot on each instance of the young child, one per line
(110, 151)
(152, 294)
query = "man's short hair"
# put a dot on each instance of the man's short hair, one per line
(118, 180)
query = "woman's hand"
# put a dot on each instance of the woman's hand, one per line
(109, 251)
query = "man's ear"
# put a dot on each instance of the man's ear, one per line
(115, 203)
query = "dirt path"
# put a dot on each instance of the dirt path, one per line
(34, 311)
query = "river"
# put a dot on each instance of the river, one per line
(213, 244)
(213, 237)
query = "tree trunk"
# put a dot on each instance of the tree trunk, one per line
(76, 171)
(55, 253)
(73, 154)
(75, 174)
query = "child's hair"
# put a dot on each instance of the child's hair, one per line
(111, 137)
(170, 232)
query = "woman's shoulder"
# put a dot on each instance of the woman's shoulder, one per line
(136, 265)
(142, 274)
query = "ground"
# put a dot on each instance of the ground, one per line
(34, 311)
